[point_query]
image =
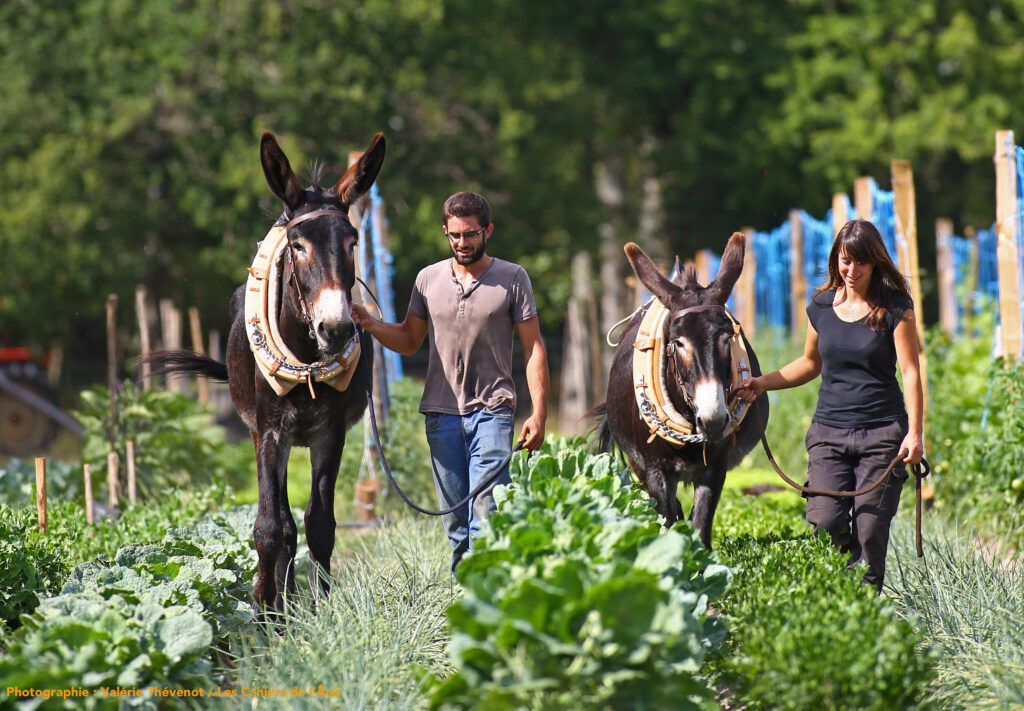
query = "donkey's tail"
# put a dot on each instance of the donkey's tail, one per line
(598, 414)
(184, 363)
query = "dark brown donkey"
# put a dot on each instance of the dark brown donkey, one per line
(699, 384)
(315, 323)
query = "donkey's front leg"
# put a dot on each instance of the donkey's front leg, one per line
(268, 531)
(325, 456)
(707, 490)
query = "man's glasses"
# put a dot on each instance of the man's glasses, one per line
(470, 235)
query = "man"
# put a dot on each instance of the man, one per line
(469, 305)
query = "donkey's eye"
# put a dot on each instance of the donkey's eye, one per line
(724, 344)
(299, 249)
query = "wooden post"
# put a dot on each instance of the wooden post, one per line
(944, 264)
(862, 198)
(90, 515)
(745, 291)
(41, 491)
(575, 382)
(170, 322)
(972, 281)
(202, 387)
(112, 457)
(703, 264)
(113, 464)
(597, 380)
(1006, 248)
(840, 214)
(906, 228)
(797, 278)
(144, 344)
(130, 456)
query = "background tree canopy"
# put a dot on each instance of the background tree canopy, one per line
(130, 129)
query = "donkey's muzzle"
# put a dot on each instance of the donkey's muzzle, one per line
(333, 334)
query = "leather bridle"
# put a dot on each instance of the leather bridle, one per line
(292, 279)
(670, 348)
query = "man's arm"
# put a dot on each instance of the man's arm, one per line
(405, 338)
(537, 380)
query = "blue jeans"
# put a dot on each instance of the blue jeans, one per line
(464, 450)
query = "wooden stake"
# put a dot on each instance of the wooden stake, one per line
(840, 213)
(130, 455)
(89, 505)
(862, 198)
(1006, 248)
(797, 278)
(41, 491)
(906, 227)
(170, 321)
(144, 344)
(202, 387)
(947, 275)
(112, 366)
(113, 464)
(745, 292)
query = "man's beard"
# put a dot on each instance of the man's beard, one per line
(473, 257)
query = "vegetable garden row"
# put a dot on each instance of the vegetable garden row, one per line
(575, 597)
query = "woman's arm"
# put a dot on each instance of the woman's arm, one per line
(905, 339)
(801, 370)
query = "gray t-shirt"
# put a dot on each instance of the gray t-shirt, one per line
(470, 334)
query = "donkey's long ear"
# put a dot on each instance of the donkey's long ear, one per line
(360, 176)
(278, 171)
(649, 275)
(729, 270)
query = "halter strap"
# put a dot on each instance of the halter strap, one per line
(303, 306)
(316, 213)
(692, 309)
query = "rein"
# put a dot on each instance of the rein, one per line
(919, 476)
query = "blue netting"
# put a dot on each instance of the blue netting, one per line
(988, 271)
(883, 216)
(818, 239)
(1018, 161)
(772, 284)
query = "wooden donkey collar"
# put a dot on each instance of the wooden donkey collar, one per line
(656, 409)
(279, 366)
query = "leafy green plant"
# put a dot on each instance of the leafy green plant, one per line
(577, 598)
(804, 632)
(18, 481)
(177, 443)
(39, 562)
(148, 617)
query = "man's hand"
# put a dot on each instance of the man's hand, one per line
(533, 433)
(361, 317)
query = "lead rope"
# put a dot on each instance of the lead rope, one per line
(914, 468)
(482, 486)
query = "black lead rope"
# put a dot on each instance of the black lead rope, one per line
(368, 372)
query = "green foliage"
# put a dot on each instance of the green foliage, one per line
(18, 481)
(975, 427)
(148, 617)
(177, 443)
(804, 632)
(40, 562)
(576, 597)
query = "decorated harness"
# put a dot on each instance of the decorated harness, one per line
(279, 366)
(649, 367)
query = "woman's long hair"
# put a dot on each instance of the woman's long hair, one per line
(860, 241)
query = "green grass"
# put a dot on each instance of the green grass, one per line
(383, 620)
(968, 598)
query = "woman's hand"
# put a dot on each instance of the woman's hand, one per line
(751, 390)
(913, 445)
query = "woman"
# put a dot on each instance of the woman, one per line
(860, 325)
